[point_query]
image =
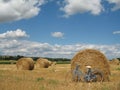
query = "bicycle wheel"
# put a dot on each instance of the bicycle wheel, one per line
(99, 75)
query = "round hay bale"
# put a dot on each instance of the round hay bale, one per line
(25, 64)
(43, 63)
(93, 58)
(114, 62)
(54, 63)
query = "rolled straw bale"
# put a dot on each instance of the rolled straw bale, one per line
(43, 63)
(54, 63)
(114, 62)
(93, 58)
(25, 64)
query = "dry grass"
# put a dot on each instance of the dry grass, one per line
(51, 79)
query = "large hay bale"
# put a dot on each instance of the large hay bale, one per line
(93, 58)
(25, 64)
(114, 62)
(43, 63)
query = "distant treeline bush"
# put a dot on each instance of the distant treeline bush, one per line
(118, 59)
(7, 59)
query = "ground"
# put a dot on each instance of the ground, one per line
(52, 78)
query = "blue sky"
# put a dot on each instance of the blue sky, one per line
(59, 28)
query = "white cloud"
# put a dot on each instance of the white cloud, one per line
(116, 32)
(71, 7)
(57, 34)
(14, 34)
(15, 46)
(117, 4)
(11, 10)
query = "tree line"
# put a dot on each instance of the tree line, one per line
(6, 57)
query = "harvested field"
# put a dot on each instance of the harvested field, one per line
(49, 79)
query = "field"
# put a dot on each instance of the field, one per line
(52, 78)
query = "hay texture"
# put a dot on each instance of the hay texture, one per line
(25, 64)
(43, 63)
(93, 58)
(114, 62)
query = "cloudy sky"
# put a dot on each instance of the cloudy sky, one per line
(59, 28)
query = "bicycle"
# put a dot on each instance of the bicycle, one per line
(78, 76)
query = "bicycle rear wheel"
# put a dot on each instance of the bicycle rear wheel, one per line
(99, 75)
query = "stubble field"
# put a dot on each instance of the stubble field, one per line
(52, 78)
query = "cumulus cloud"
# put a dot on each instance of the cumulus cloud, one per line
(29, 48)
(24, 47)
(57, 34)
(14, 34)
(71, 7)
(117, 4)
(11, 10)
(116, 32)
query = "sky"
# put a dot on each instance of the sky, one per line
(59, 28)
